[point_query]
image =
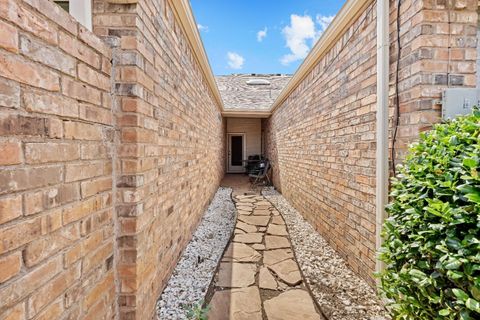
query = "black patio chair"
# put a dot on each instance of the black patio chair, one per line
(262, 176)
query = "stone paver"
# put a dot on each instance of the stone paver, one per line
(257, 212)
(277, 230)
(278, 220)
(266, 280)
(275, 242)
(259, 267)
(249, 238)
(236, 275)
(246, 227)
(240, 252)
(271, 257)
(258, 246)
(291, 305)
(261, 221)
(236, 304)
(287, 271)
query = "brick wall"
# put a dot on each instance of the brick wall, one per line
(56, 210)
(427, 65)
(321, 139)
(105, 168)
(171, 157)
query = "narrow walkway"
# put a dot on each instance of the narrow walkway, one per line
(240, 184)
(258, 277)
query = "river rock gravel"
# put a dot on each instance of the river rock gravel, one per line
(193, 273)
(340, 294)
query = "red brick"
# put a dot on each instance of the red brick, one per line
(79, 50)
(80, 91)
(93, 41)
(95, 259)
(40, 249)
(10, 208)
(29, 282)
(10, 266)
(18, 69)
(55, 128)
(34, 202)
(8, 37)
(43, 102)
(86, 245)
(26, 19)
(82, 171)
(98, 291)
(97, 311)
(47, 55)
(15, 313)
(10, 153)
(82, 209)
(52, 290)
(93, 187)
(9, 94)
(82, 131)
(51, 152)
(96, 114)
(11, 125)
(93, 77)
(19, 234)
(29, 178)
(93, 151)
(53, 311)
(55, 13)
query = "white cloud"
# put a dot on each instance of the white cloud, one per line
(261, 34)
(300, 30)
(324, 21)
(301, 34)
(202, 27)
(235, 61)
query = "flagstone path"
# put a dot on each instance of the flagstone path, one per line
(258, 277)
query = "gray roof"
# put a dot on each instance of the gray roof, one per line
(237, 94)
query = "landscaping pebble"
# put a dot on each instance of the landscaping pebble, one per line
(340, 293)
(193, 273)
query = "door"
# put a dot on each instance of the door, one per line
(236, 152)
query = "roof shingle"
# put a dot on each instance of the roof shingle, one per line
(237, 94)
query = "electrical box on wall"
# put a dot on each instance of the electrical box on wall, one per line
(459, 101)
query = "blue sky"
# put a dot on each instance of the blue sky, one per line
(261, 36)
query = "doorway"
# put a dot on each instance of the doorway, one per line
(236, 152)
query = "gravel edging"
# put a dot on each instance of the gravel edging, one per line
(193, 273)
(340, 293)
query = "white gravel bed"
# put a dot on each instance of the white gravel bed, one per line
(341, 294)
(191, 278)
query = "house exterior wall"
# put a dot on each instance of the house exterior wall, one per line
(111, 147)
(56, 145)
(253, 133)
(171, 154)
(321, 139)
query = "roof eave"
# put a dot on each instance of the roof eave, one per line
(246, 113)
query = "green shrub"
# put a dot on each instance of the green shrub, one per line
(432, 235)
(198, 311)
